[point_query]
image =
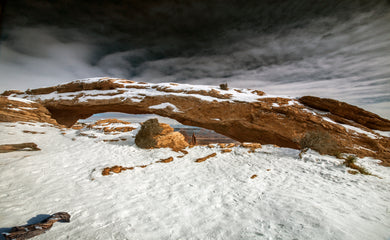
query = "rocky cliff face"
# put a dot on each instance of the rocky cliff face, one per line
(242, 114)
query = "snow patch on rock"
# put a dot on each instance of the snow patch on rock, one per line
(352, 128)
(169, 106)
(20, 99)
(359, 130)
(141, 90)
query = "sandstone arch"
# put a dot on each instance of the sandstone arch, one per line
(242, 114)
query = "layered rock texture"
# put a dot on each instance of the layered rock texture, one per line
(111, 125)
(159, 135)
(242, 114)
(16, 109)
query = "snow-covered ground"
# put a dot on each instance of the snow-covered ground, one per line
(291, 198)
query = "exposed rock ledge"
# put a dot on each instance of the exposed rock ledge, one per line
(243, 114)
(16, 109)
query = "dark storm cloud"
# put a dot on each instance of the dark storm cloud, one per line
(325, 48)
(152, 21)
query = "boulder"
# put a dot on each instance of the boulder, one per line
(159, 135)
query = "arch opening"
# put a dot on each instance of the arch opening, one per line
(97, 123)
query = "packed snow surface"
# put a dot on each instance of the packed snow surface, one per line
(291, 198)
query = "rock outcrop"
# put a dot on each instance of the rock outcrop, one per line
(16, 109)
(202, 159)
(345, 113)
(159, 135)
(4, 148)
(32, 230)
(244, 115)
(111, 125)
(115, 169)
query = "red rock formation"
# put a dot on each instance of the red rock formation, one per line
(242, 114)
(33, 132)
(4, 148)
(111, 125)
(32, 230)
(14, 110)
(226, 150)
(345, 111)
(253, 146)
(78, 126)
(166, 160)
(202, 159)
(115, 169)
(159, 135)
